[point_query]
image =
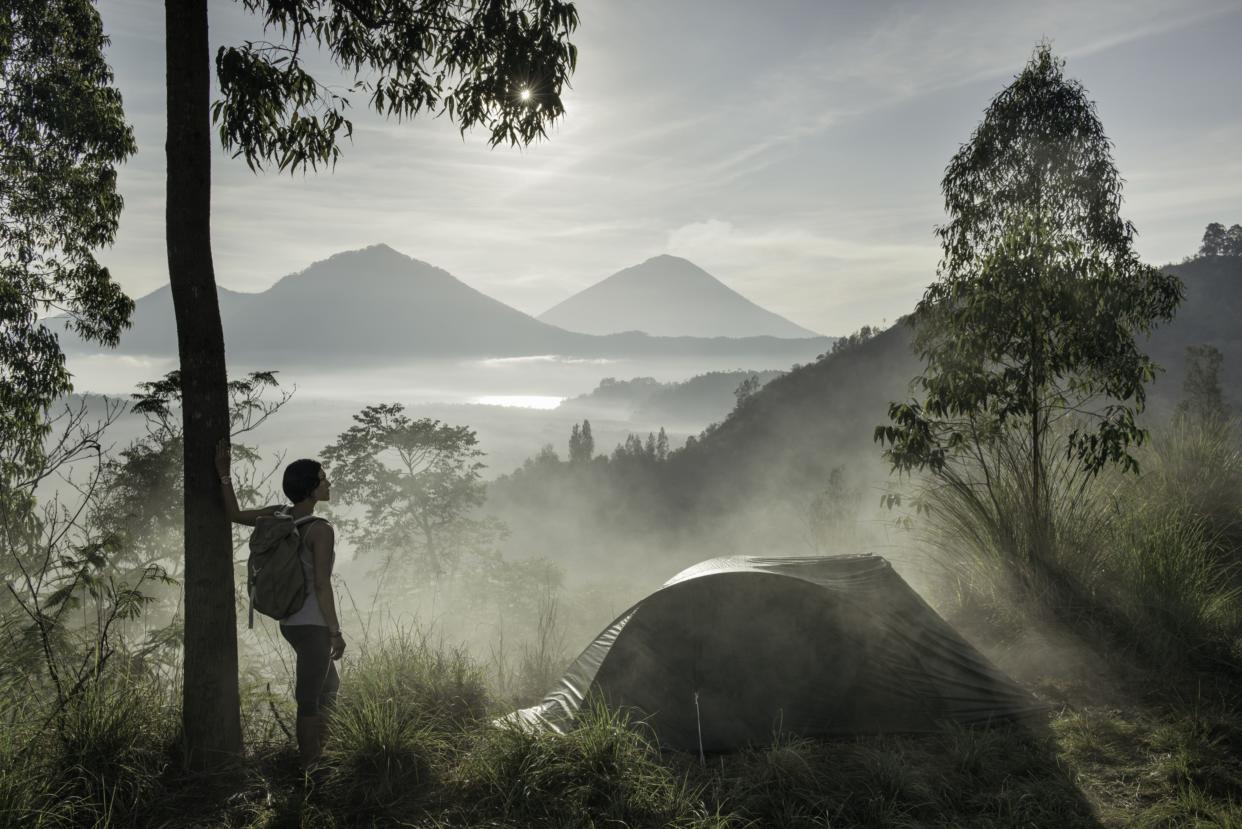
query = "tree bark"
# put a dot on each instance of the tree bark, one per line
(211, 717)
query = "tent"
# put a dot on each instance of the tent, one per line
(734, 649)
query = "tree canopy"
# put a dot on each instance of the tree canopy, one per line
(1217, 241)
(1039, 293)
(499, 65)
(62, 133)
(420, 481)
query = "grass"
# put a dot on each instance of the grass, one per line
(99, 765)
(603, 773)
(413, 743)
(1148, 563)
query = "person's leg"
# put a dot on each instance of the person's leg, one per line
(327, 692)
(310, 643)
(327, 700)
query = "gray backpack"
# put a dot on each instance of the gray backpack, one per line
(274, 575)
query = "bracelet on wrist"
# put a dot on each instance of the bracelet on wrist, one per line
(226, 479)
(334, 633)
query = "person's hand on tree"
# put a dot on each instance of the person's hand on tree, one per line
(223, 457)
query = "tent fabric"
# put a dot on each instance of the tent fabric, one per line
(733, 650)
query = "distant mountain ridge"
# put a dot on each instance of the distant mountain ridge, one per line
(667, 296)
(379, 305)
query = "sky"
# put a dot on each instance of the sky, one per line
(792, 148)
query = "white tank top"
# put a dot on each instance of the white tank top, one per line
(310, 613)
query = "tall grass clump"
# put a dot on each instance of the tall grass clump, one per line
(112, 745)
(27, 796)
(1174, 545)
(1014, 553)
(98, 760)
(1171, 582)
(1150, 560)
(404, 706)
(1194, 466)
(604, 772)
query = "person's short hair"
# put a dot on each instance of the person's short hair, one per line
(301, 479)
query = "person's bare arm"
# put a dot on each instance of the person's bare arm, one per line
(321, 539)
(235, 513)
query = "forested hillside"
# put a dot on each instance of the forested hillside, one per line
(757, 481)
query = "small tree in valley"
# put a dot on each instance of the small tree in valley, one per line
(419, 481)
(581, 443)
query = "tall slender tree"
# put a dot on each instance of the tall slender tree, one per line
(1031, 323)
(501, 65)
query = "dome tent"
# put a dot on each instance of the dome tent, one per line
(733, 649)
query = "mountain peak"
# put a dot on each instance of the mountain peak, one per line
(668, 296)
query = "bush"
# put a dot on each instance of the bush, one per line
(604, 772)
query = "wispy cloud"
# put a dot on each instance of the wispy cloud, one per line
(792, 148)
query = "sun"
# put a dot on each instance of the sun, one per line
(524, 94)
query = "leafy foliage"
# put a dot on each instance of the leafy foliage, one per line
(142, 492)
(1029, 332)
(1039, 294)
(499, 65)
(1220, 242)
(420, 482)
(61, 134)
(66, 597)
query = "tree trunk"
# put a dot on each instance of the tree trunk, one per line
(433, 555)
(211, 716)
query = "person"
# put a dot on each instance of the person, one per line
(314, 630)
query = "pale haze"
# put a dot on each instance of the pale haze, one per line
(792, 149)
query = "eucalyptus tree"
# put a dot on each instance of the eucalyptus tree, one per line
(1029, 331)
(500, 65)
(62, 133)
(1215, 240)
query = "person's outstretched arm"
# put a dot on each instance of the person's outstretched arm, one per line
(236, 514)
